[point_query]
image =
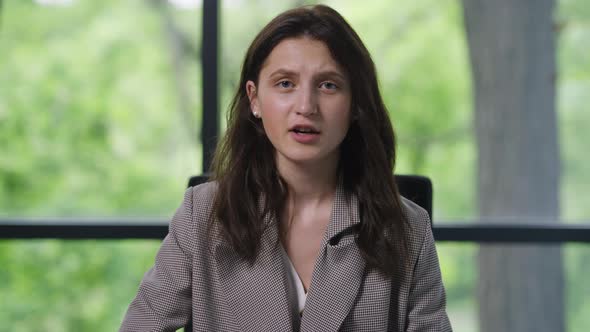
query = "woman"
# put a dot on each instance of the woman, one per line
(303, 227)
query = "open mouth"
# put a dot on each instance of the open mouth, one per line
(305, 130)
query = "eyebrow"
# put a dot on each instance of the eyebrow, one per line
(282, 72)
(288, 72)
(332, 73)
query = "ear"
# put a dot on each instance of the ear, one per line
(252, 96)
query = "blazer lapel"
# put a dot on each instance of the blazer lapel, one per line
(256, 293)
(338, 271)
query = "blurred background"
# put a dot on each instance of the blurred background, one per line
(100, 117)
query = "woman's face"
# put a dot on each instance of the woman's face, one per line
(303, 98)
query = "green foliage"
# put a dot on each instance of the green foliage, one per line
(573, 28)
(93, 122)
(59, 286)
(88, 112)
(89, 125)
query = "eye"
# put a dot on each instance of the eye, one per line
(285, 84)
(329, 85)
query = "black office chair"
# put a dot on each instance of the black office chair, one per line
(416, 188)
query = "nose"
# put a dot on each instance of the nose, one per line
(307, 102)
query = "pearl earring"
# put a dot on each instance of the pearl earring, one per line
(256, 115)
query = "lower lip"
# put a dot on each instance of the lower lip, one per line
(304, 138)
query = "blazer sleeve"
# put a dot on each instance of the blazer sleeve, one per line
(163, 301)
(427, 300)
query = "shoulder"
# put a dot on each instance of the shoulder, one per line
(419, 224)
(191, 218)
(201, 198)
(414, 213)
(198, 200)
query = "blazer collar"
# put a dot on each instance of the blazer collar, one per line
(257, 292)
(344, 215)
(339, 269)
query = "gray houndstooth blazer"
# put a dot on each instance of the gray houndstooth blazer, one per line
(200, 277)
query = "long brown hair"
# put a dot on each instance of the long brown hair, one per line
(244, 165)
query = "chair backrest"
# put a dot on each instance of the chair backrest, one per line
(416, 188)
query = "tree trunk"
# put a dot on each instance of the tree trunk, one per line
(512, 52)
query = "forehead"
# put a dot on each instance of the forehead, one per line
(300, 54)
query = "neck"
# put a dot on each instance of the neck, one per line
(309, 183)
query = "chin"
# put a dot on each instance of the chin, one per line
(306, 157)
(302, 159)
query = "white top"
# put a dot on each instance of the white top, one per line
(296, 286)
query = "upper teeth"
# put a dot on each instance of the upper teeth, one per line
(304, 130)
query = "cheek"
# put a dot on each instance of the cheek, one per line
(273, 112)
(272, 123)
(272, 102)
(343, 118)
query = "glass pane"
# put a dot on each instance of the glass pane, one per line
(459, 264)
(53, 285)
(573, 22)
(99, 107)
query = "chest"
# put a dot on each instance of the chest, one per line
(303, 240)
(363, 305)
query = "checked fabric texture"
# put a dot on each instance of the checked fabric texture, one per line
(197, 277)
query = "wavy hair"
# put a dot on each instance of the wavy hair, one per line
(249, 186)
